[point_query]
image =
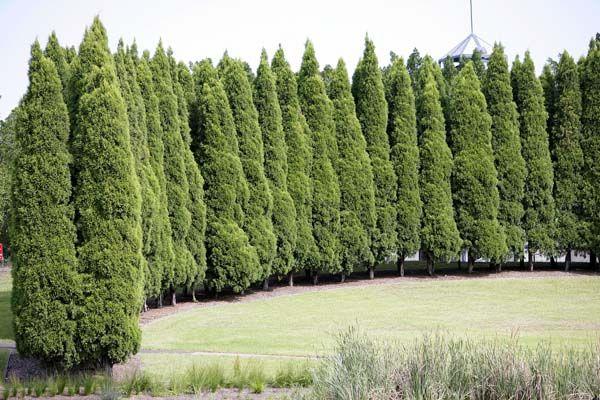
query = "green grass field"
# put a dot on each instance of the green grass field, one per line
(6, 327)
(564, 310)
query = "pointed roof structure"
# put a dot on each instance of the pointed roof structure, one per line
(466, 47)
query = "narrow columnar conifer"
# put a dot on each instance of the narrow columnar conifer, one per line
(474, 176)
(439, 235)
(299, 158)
(58, 56)
(46, 286)
(506, 143)
(590, 130)
(195, 237)
(177, 184)
(538, 202)
(355, 174)
(231, 260)
(404, 154)
(548, 81)
(413, 63)
(164, 255)
(149, 185)
(372, 112)
(276, 166)
(7, 155)
(107, 206)
(259, 210)
(318, 110)
(449, 70)
(478, 64)
(567, 157)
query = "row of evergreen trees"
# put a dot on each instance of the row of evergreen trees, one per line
(138, 176)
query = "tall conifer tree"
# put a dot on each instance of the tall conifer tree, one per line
(404, 154)
(538, 202)
(439, 235)
(299, 157)
(177, 184)
(259, 210)
(46, 287)
(355, 174)
(231, 260)
(195, 199)
(590, 130)
(164, 252)
(107, 205)
(567, 156)
(506, 143)
(474, 176)
(326, 192)
(276, 166)
(58, 55)
(372, 112)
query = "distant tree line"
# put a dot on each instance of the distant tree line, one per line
(134, 176)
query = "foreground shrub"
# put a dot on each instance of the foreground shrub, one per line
(437, 367)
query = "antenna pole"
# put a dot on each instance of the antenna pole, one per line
(471, 8)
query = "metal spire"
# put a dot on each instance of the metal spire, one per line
(471, 8)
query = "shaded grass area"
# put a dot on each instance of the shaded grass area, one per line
(3, 361)
(559, 310)
(6, 326)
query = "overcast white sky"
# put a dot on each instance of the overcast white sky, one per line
(205, 28)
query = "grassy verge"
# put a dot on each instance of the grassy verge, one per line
(560, 310)
(6, 327)
(439, 367)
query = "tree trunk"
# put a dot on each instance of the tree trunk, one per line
(430, 266)
(530, 260)
(266, 284)
(458, 263)
(194, 296)
(342, 277)
(315, 278)
(291, 278)
(401, 265)
(568, 260)
(160, 300)
(593, 260)
(371, 272)
(145, 308)
(552, 262)
(173, 298)
(499, 267)
(522, 261)
(308, 274)
(471, 262)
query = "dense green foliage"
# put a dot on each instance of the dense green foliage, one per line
(590, 141)
(372, 112)
(7, 154)
(259, 209)
(299, 158)
(439, 235)
(107, 206)
(474, 176)
(149, 185)
(355, 175)
(177, 185)
(567, 156)
(163, 254)
(58, 56)
(45, 276)
(506, 144)
(538, 202)
(231, 260)
(276, 167)
(195, 236)
(404, 154)
(318, 110)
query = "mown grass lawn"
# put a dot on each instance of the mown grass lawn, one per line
(6, 327)
(563, 310)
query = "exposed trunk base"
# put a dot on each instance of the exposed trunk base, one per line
(266, 284)
(145, 307)
(593, 263)
(401, 265)
(291, 279)
(499, 267)
(568, 260)
(458, 263)
(371, 273)
(160, 300)
(342, 277)
(430, 265)
(194, 300)
(522, 262)
(552, 262)
(173, 298)
(530, 261)
(471, 261)
(315, 278)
